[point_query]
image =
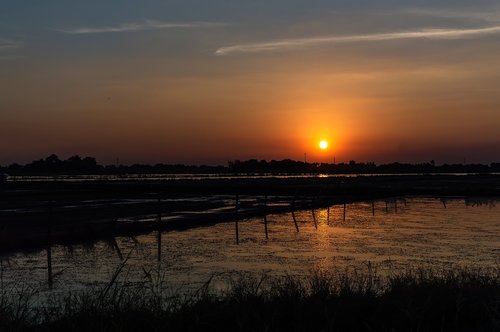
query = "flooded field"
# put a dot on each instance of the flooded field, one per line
(207, 176)
(414, 232)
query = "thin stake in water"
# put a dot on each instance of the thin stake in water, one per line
(265, 217)
(115, 218)
(49, 220)
(49, 248)
(444, 202)
(159, 245)
(314, 219)
(295, 221)
(117, 248)
(293, 213)
(236, 221)
(237, 232)
(159, 209)
(49, 266)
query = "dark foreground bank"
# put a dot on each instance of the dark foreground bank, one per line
(414, 301)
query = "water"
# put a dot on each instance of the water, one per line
(421, 233)
(199, 176)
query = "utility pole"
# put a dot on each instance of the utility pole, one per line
(305, 158)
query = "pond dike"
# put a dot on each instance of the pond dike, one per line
(37, 214)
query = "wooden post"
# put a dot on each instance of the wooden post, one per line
(49, 247)
(295, 221)
(159, 245)
(293, 213)
(236, 221)
(49, 220)
(265, 217)
(117, 249)
(328, 216)
(159, 209)
(49, 266)
(265, 227)
(115, 218)
(344, 211)
(373, 209)
(386, 207)
(395, 205)
(237, 232)
(314, 219)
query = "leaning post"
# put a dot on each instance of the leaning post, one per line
(265, 217)
(236, 221)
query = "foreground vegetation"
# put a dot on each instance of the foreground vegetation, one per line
(421, 300)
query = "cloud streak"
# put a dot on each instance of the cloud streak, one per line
(147, 25)
(7, 45)
(298, 43)
(7, 50)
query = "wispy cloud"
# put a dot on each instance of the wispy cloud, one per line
(7, 44)
(11, 57)
(146, 25)
(314, 41)
(7, 50)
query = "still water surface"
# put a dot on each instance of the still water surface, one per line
(420, 232)
(197, 176)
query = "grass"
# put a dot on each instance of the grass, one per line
(417, 300)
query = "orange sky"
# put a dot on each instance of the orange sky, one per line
(172, 96)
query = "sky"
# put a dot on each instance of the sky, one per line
(205, 82)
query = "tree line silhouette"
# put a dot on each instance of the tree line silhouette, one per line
(88, 165)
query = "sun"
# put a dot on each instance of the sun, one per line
(323, 145)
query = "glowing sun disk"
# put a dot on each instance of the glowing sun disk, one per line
(323, 145)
